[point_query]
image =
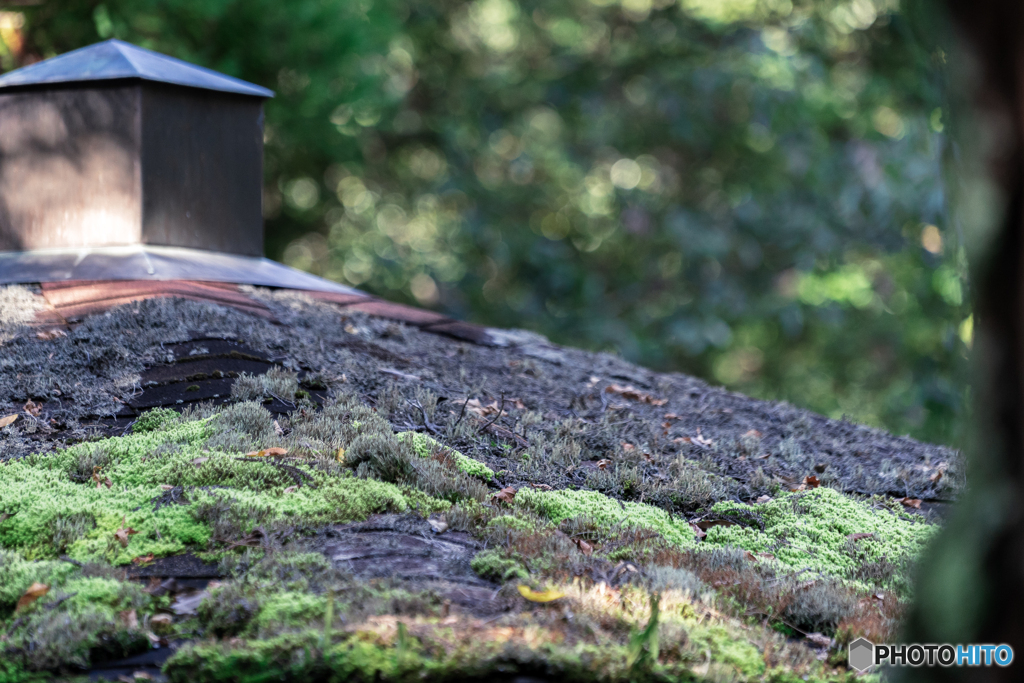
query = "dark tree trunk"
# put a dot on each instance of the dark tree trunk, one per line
(971, 587)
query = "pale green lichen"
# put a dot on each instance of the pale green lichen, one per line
(425, 446)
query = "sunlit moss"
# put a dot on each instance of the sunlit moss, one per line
(425, 447)
(815, 530)
(38, 491)
(561, 505)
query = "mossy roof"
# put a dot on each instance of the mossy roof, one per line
(574, 471)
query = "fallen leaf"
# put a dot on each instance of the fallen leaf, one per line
(879, 596)
(935, 477)
(141, 676)
(33, 408)
(340, 455)
(47, 335)
(166, 487)
(766, 556)
(812, 482)
(671, 416)
(100, 481)
(477, 408)
(129, 619)
(542, 596)
(267, 451)
(603, 464)
(542, 487)
(160, 622)
(750, 556)
(7, 420)
(506, 495)
(857, 537)
(438, 525)
(761, 500)
(124, 532)
(143, 559)
(911, 503)
(291, 489)
(277, 429)
(584, 547)
(31, 594)
(627, 446)
(752, 433)
(818, 640)
(634, 394)
(698, 532)
(701, 441)
(199, 461)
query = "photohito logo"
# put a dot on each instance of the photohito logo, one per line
(864, 654)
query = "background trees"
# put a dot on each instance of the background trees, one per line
(746, 190)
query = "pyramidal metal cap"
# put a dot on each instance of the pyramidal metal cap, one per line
(117, 60)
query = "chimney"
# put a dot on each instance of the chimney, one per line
(119, 163)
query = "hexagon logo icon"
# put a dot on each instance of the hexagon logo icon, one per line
(862, 654)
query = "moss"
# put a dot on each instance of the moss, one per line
(79, 618)
(38, 491)
(726, 648)
(560, 505)
(155, 419)
(813, 529)
(17, 574)
(426, 446)
(494, 564)
(290, 609)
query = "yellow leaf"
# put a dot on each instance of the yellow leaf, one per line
(340, 457)
(543, 596)
(9, 419)
(33, 593)
(267, 451)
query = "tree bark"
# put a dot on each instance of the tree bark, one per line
(971, 584)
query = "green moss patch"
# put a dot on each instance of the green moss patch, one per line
(87, 612)
(823, 531)
(74, 501)
(604, 510)
(185, 483)
(425, 447)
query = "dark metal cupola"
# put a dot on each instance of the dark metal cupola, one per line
(121, 163)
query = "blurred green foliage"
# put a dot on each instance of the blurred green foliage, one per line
(745, 190)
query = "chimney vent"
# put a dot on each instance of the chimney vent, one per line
(113, 145)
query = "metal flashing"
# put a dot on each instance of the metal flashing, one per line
(148, 262)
